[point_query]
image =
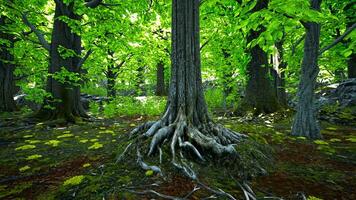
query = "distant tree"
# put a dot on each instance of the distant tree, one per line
(260, 96)
(160, 83)
(65, 64)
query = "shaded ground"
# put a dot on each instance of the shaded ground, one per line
(78, 162)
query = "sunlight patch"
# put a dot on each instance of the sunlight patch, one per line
(53, 143)
(67, 135)
(76, 180)
(96, 145)
(34, 157)
(83, 141)
(25, 147)
(22, 169)
(33, 141)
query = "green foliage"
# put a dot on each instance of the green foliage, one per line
(214, 98)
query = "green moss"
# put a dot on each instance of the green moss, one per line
(76, 180)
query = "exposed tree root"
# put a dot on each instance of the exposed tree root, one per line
(186, 141)
(163, 195)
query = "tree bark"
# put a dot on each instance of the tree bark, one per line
(351, 63)
(65, 97)
(185, 122)
(305, 121)
(7, 83)
(351, 67)
(160, 84)
(260, 96)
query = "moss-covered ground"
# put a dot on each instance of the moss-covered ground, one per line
(79, 162)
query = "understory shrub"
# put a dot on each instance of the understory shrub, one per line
(130, 106)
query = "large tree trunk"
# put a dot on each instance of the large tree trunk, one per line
(7, 83)
(305, 121)
(260, 96)
(160, 84)
(186, 123)
(65, 96)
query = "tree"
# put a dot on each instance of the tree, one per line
(65, 64)
(278, 74)
(305, 121)
(160, 84)
(7, 67)
(260, 96)
(351, 63)
(112, 72)
(186, 122)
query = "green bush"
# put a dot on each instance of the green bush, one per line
(214, 98)
(130, 106)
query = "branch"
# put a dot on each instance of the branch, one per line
(295, 45)
(205, 43)
(337, 40)
(93, 3)
(38, 33)
(82, 60)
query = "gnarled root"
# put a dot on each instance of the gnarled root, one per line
(184, 138)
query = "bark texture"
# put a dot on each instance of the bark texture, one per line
(260, 96)
(65, 101)
(7, 83)
(351, 19)
(186, 123)
(160, 84)
(305, 121)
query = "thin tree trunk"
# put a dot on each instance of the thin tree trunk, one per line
(140, 81)
(7, 83)
(260, 96)
(160, 84)
(65, 97)
(227, 79)
(279, 65)
(305, 121)
(111, 81)
(351, 67)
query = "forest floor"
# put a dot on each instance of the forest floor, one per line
(79, 162)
